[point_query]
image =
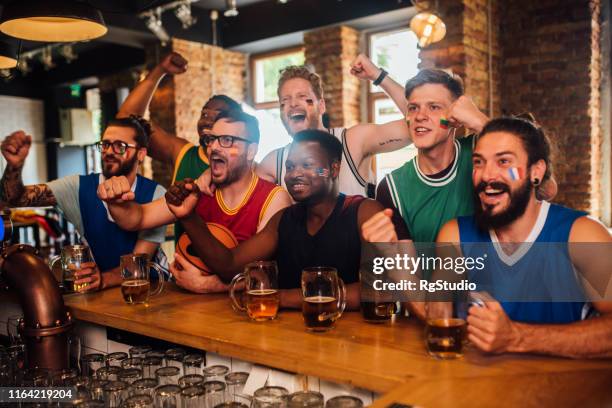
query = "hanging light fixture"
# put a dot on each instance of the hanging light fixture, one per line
(52, 21)
(231, 11)
(8, 55)
(183, 13)
(154, 23)
(428, 27)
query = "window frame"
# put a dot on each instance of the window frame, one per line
(262, 56)
(372, 96)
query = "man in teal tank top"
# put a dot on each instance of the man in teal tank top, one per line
(436, 185)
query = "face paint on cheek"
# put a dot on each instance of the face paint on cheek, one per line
(444, 124)
(514, 173)
(321, 172)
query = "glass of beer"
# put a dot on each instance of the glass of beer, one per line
(324, 298)
(445, 329)
(261, 297)
(378, 312)
(136, 285)
(73, 258)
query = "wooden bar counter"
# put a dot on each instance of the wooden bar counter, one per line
(379, 358)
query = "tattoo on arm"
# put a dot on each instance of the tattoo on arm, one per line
(15, 193)
(389, 141)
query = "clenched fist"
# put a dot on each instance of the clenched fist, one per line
(363, 68)
(173, 64)
(182, 197)
(15, 148)
(116, 190)
(379, 228)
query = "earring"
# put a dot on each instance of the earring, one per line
(536, 181)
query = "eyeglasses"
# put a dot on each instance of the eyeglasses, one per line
(119, 147)
(224, 140)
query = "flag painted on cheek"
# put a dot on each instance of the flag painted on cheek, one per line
(444, 123)
(321, 172)
(514, 173)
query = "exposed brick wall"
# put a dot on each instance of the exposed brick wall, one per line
(177, 103)
(330, 51)
(548, 56)
(465, 49)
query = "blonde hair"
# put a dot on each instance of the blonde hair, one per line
(303, 72)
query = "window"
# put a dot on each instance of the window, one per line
(396, 51)
(265, 71)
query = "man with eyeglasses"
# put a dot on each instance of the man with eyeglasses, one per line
(123, 147)
(242, 203)
(187, 160)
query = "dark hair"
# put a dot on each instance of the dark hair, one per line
(229, 102)
(532, 137)
(141, 126)
(329, 143)
(435, 76)
(303, 72)
(250, 122)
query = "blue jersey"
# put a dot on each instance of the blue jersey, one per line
(534, 270)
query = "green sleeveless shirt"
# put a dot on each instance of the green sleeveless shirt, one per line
(426, 204)
(190, 163)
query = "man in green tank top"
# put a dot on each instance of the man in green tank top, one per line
(436, 185)
(187, 159)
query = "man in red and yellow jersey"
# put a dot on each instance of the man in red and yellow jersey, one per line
(187, 160)
(243, 203)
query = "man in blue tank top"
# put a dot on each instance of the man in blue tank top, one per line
(511, 158)
(123, 147)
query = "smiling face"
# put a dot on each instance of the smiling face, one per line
(502, 179)
(310, 175)
(427, 105)
(299, 106)
(114, 164)
(228, 164)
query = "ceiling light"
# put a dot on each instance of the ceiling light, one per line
(154, 23)
(282, 1)
(46, 58)
(8, 55)
(428, 27)
(68, 53)
(231, 11)
(52, 21)
(183, 13)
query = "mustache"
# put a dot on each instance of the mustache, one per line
(496, 185)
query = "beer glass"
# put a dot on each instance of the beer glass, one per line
(305, 399)
(344, 401)
(129, 375)
(192, 364)
(193, 397)
(270, 397)
(73, 258)
(91, 362)
(136, 285)
(261, 298)
(190, 380)
(215, 373)
(143, 386)
(167, 375)
(133, 362)
(168, 396)
(115, 359)
(214, 393)
(445, 329)
(108, 373)
(235, 382)
(139, 351)
(96, 387)
(149, 365)
(324, 298)
(138, 401)
(115, 392)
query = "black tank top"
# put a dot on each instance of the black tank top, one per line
(336, 244)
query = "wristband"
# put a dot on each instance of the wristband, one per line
(381, 77)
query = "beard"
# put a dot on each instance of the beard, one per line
(124, 168)
(233, 174)
(519, 199)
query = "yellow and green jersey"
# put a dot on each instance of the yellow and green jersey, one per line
(190, 163)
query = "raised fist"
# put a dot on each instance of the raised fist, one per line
(363, 68)
(116, 190)
(15, 148)
(173, 64)
(182, 197)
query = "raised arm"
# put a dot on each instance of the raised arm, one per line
(127, 213)
(182, 198)
(364, 69)
(15, 148)
(164, 146)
